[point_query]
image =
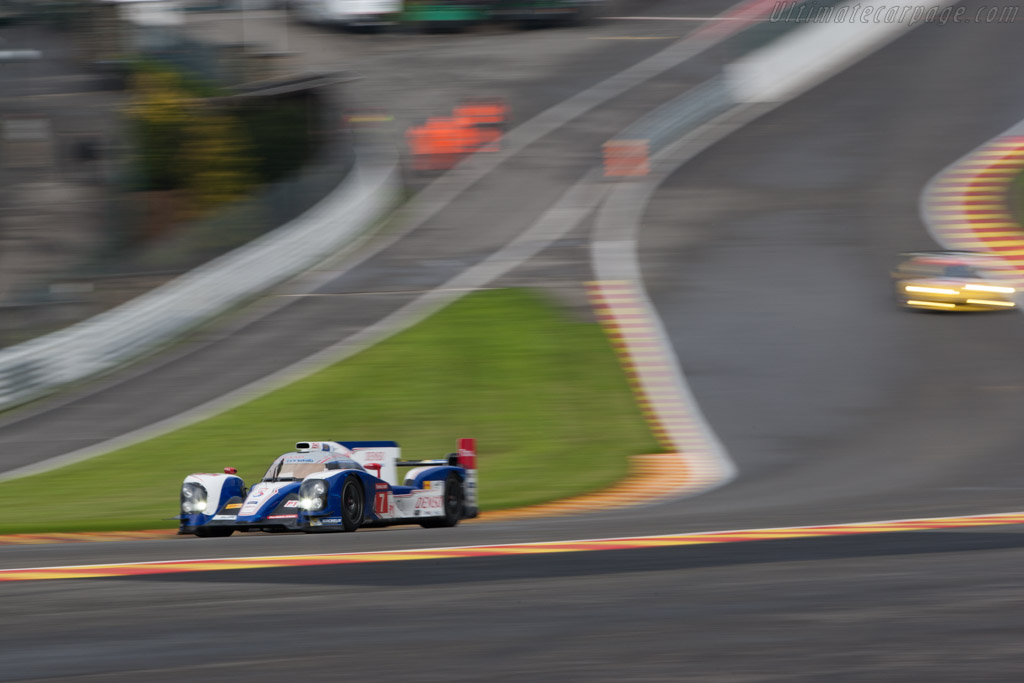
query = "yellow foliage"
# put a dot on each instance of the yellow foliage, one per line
(217, 157)
(185, 144)
(159, 98)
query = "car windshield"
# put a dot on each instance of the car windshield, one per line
(932, 267)
(291, 468)
(959, 270)
(298, 470)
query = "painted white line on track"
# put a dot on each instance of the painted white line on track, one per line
(614, 240)
(614, 258)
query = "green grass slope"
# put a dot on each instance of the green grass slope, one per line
(543, 394)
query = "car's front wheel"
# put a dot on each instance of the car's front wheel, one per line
(351, 504)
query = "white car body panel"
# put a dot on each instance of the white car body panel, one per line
(385, 457)
(213, 483)
(259, 494)
(421, 502)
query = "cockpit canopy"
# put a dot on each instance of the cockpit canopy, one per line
(298, 466)
(946, 264)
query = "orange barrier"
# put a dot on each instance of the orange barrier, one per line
(442, 142)
(624, 158)
(483, 112)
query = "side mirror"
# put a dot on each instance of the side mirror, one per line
(230, 470)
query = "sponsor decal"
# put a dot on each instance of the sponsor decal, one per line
(315, 445)
(332, 520)
(384, 504)
(315, 522)
(259, 491)
(232, 506)
(282, 516)
(429, 503)
(373, 456)
(220, 518)
(292, 504)
(382, 487)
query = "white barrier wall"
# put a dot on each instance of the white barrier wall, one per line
(111, 338)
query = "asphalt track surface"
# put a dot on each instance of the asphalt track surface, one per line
(768, 259)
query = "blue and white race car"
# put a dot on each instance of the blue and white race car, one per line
(334, 486)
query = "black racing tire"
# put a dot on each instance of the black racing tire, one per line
(454, 501)
(351, 504)
(214, 531)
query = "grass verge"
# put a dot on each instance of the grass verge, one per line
(542, 393)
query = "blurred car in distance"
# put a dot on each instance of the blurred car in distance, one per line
(952, 281)
(353, 13)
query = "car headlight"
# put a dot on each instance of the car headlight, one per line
(313, 494)
(193, 498)
(989, 288)
(931, 290)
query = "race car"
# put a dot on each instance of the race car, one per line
(334, 486)
(952, 281)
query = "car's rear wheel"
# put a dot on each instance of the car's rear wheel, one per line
(214, 531)
(351, 504)
(453, 503)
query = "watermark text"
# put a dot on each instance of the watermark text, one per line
(786, 11)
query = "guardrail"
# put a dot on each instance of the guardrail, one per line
(112, 338)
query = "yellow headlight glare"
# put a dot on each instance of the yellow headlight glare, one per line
(990, 288)
(930, 304)
(930, 290)
(990, 302)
